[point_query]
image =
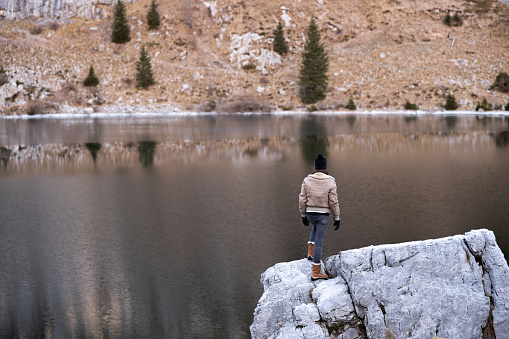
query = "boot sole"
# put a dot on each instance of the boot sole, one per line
(324, 278)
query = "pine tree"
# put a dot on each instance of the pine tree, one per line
(153, 18)
(315, 64)
(279, 44)
(450, 103)
(121, 32)
(144, 76)
(351, 105)
(501, 82)
(411, 107)
(3, 76)
(91, 79)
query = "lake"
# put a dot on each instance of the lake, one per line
(158, 226)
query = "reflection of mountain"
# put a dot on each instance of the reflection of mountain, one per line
(42, 157)
(111, 249)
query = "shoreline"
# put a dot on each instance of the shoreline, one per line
(171, 111)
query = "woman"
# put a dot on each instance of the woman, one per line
(317, 199)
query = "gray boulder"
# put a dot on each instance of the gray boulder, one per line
(454, 287)
(57, 9)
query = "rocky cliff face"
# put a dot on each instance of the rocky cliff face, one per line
(455, 287)
(57, 9)
(382, 54)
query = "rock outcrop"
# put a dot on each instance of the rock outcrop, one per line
(454, 287)
(57, 9)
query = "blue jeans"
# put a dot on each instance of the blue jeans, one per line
(319, 222)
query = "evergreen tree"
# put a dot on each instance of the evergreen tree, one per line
(91, 79)
(279, 44)
(3, 76)
(484, 105)
(144, 76)
(313, 71)
(501, 82)
(411, 107)
(351, 105)
(153, 18)
(450, 103)
(121, 32)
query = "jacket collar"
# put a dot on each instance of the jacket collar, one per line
(320, 175)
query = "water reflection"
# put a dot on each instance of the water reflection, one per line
(451, 121)
(93, 147)
(146, 149)
(50, 157)
(410, 118)
(98, 246)
(502, 139)
(351, 120)
(314, 138)
(5, 155)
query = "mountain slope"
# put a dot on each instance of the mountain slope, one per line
(382, 54)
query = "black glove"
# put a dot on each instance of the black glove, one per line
(336, 224)
(305, 221)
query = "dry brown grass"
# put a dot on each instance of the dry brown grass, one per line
(245, 104)
(411, 35)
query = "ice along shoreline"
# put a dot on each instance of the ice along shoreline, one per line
(171, 111)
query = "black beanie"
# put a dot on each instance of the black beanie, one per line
(320, 162)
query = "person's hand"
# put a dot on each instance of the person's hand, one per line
(305, 221)
(336, 224)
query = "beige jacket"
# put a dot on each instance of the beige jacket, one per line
(319, 193)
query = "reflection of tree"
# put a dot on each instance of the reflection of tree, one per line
(5, 154)
(410, 118)
(483, 120)
(251, 152)
(502, 139)
(450, 121)
(93, 147)
(313, 139)
(351, 120)
(147, 150)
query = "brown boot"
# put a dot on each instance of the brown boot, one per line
(316, 274)
(311, 249)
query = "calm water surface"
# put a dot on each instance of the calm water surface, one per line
(171, 242)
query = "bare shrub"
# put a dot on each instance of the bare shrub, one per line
(210, 106)
(264, 81)
(54, 26)
(210, 88)
(36, 107)
(36, 30)
(69, 86)
(245, 104)
(248, 67)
